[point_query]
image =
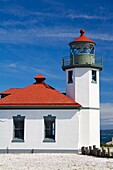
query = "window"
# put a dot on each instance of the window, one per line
(70, 76)
(49, 123)
(18, 133)
(94, 77)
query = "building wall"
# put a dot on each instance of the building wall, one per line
(67, 129)
(89, 129)
(86, 92)
(83, 90)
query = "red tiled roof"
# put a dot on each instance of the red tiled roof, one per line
(82, 38)
(11, 90)
(37, 94)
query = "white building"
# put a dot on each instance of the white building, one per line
(38, 118)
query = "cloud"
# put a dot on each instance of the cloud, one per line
(53, 2)
(7, 67)
(26, 27)
(13, 65)
(23, 13)
(108, 78)
(107, 115)
(15, 10)
(32, 35)
(59, 12)
(108, 94)
(14, 23)
(85, 16)
(107, 110)
(101, 36)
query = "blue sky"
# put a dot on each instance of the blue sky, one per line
(34, 35)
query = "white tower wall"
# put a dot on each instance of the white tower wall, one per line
(85, 91)
(89, 131)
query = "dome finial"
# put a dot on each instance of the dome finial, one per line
(82, 31)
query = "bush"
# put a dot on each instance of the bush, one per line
(106, 145)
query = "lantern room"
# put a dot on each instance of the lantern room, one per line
(82, 53)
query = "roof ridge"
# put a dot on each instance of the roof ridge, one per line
(37, 94)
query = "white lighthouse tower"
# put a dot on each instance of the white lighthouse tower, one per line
(82, 84)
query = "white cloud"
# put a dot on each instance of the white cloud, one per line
(85, 16)
(107, 94)
(59, 12)
(15, 10)
(21, 12)
(14, 23)
(30, 21)
(108, 79)
(107, 115)
(101, 36)
(20, 67)
(13, 65)
(32, 35)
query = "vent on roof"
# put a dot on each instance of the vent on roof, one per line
(39, 78)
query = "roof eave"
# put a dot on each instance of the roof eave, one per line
(8, 107)
(82, 42)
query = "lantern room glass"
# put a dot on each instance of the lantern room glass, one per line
(82, 48)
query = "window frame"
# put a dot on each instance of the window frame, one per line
(94, 76)
(15, 129)
(52, 120)
(70, 76)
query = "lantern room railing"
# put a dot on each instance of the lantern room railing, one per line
(67, 61)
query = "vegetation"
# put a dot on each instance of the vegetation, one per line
(106, 145)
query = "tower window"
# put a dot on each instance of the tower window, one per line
(70, 76)
(18, 132)
(94, 76)
(49, 123)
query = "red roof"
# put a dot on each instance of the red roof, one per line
(11, 90)
(82, 38)
(37, 94)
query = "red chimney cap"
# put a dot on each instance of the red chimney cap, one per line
(82, 38)
(39, 78)
(82, 31)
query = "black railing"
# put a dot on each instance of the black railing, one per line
(67, 61)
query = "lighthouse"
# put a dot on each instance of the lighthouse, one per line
(39, 118)
(82, 85)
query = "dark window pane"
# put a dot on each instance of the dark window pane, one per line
(49, 128)
(18, 123)
(18, 127)
(19, 134)
(70, 76)
(94, 76)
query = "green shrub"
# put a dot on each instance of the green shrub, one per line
(106, 145)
